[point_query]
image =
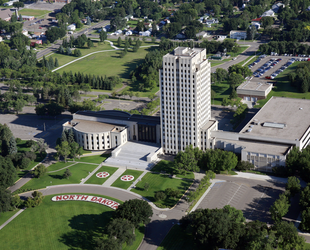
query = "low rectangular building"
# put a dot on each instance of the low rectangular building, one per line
(253, 91)
(238, 34)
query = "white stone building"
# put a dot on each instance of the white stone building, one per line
(185, 100)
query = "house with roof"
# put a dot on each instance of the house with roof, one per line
(276, 7)
(269, 13)
(6, 15)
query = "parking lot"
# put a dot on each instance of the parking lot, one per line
(270, 66)
(253, 197)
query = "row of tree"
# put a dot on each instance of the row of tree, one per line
(226, 228)
(194, 159)
(300, 77)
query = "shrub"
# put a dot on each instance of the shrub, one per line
(24, 163)
(29, 143)
(18, 140)
(244, 165)
(159, 196)
(31, 155)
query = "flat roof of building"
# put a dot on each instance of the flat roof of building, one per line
(124, 116)
(91, 126)
(293, 113)
(254, 86)
(260, 147)
(184, 52)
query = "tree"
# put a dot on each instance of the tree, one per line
(215, 228)
(267, 21)
(122, 230)
(251, 32)
(244, 165)
(8, 172)
(279, 208)
(40, 171)
(288, 237)
(305, 221)
(103, 35)
(119, 41)
(88, 21)
(118, 23)
(74, 149)
(56, 63)
(63, 149)
(90, 43)
(160, 196)
(5, 199)
(136, 211)
(186, 160)
(12, 147)
(15, 201)
(304, 201)
(41, 146)
(235, 79)
(293, 185)
(35, 200)
(146, 186)
(67, 173)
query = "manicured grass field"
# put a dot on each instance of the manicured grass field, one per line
(32, 12)
(95, 180)
(7, 215)
(63, 59)
(60, 225)
(126, 184)
(222, 90)
(58, 165)
(167, 166)
(109, 63)
(177, 239)
(159, 182)
(283, 87)
(93, 159)
(79, 171)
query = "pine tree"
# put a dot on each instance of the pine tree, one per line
(44, 62)
(51, 62)
(56, 63)
(61, 49)
(12, 148)
(71, 137)
(63, 136)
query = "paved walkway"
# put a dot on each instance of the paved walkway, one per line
(137, 180)
(12, 218)
(114, 177)
(92, 173)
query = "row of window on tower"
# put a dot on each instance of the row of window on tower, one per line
(182, 65)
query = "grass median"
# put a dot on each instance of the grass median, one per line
(159, 182)
(78, 171)
(95, 180)
(126, 184)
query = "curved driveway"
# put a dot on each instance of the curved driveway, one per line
(161, 221)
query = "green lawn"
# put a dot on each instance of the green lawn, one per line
(95, 180)
(307, 246)
(283, 87)
(63, 59)
(7, 215)
(109, 63)
(79, 171)
(167, 166)
(93, 159)
(222, 90)
(31, 12)
(177, 239)
(59, 225)
(159, 182)
(58, 165)
(240, 51)
(126, 184)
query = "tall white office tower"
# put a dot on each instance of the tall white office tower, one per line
(185, 87)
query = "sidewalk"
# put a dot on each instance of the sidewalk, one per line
(259, 177)
(137, 180)
(114, 177)
(12, 218)
(92, 173)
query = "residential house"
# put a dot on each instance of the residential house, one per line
(145, 33)
(128, 33)
(6, 15)
(71, 27)
(268, 13)
(276, 7)
(202, 34)
(180, 36)
(10, 3)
